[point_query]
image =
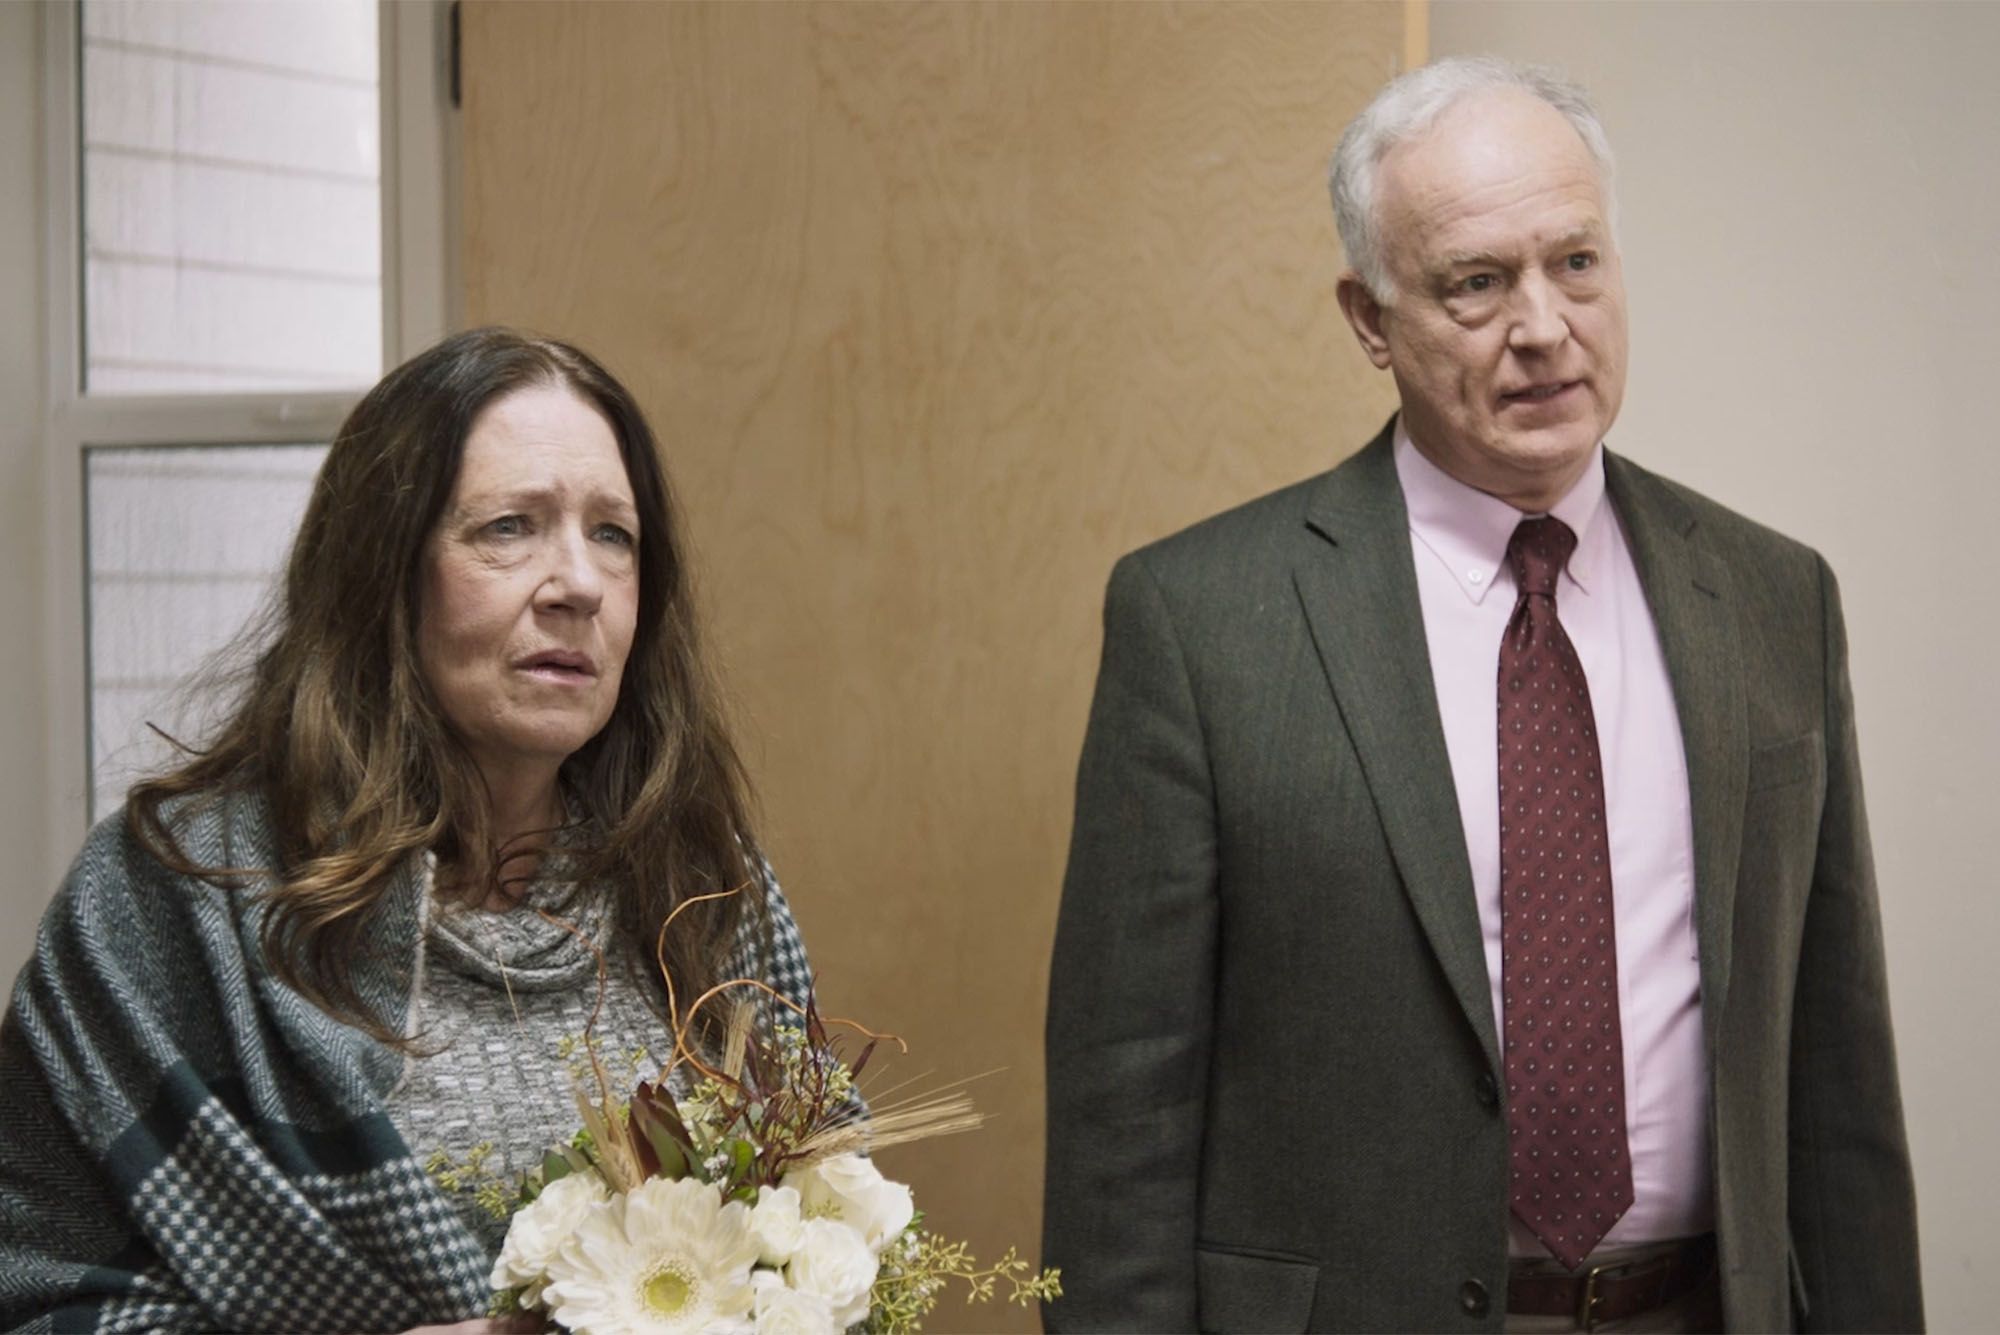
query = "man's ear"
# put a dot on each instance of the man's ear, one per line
(1364, 313)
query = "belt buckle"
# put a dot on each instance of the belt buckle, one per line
(1586, 1303)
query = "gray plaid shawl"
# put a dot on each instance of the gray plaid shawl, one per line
(188, 1144)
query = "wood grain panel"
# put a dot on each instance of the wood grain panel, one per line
(938, 309)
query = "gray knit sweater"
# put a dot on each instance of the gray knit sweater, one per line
(497, 1005)
(188, 1144)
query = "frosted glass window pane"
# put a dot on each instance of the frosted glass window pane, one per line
(232, 198)
(185, 546)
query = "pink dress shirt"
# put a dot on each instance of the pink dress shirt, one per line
(1459, 538)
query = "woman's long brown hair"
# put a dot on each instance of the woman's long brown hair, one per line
(341, 737)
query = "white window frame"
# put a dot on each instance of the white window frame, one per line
(420, 304)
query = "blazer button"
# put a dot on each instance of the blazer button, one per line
(1472, 1297)
(1487, 1090)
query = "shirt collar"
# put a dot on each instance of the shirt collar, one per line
(1467, 530)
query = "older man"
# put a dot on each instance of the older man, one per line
(1469, 920)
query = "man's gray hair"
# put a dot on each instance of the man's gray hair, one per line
(1410, 105)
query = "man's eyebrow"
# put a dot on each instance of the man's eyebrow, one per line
(1462, 259)
(1589, 233)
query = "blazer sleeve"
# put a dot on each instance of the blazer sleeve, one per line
(1853, 1204)
(1131, 989)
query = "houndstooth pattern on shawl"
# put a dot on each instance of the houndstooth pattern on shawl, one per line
(787, 969)
(186, 1143)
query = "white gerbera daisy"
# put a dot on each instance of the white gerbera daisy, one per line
(664, 1258)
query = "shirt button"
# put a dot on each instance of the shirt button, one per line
(1472, 1298)
(1476, 576)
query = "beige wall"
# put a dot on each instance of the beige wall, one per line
(25, 886)
(1809, 208)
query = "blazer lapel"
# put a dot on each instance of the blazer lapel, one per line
(1357, 581)
(1690, 592)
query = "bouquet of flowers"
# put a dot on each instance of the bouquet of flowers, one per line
(745, 1202)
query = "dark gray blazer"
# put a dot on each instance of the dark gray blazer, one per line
(1272, 1067)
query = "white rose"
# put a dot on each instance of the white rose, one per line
(834, 1263)
(775, 1222)
(538, 1229)
(852, 1189)
(783, 1310)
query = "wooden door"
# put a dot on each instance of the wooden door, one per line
(938, 308)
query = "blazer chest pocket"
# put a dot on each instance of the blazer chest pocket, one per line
(1253, 1291)
(1785, 762)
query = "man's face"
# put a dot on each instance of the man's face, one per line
(1506, 334)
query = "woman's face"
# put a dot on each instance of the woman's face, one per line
(531, 585)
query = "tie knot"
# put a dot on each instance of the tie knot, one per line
(1538, 551)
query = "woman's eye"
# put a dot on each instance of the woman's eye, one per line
(508, 526)
(617, 536)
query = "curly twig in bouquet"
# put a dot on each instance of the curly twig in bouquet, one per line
(746, 1201)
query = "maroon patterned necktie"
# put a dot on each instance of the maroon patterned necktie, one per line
(1565, 1064)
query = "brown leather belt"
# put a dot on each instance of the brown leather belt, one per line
(1614, 1291)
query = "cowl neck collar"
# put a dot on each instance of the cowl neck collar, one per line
(550, 939)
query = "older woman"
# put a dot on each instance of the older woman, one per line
(358, 933)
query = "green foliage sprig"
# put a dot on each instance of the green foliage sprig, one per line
(916, 1269)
